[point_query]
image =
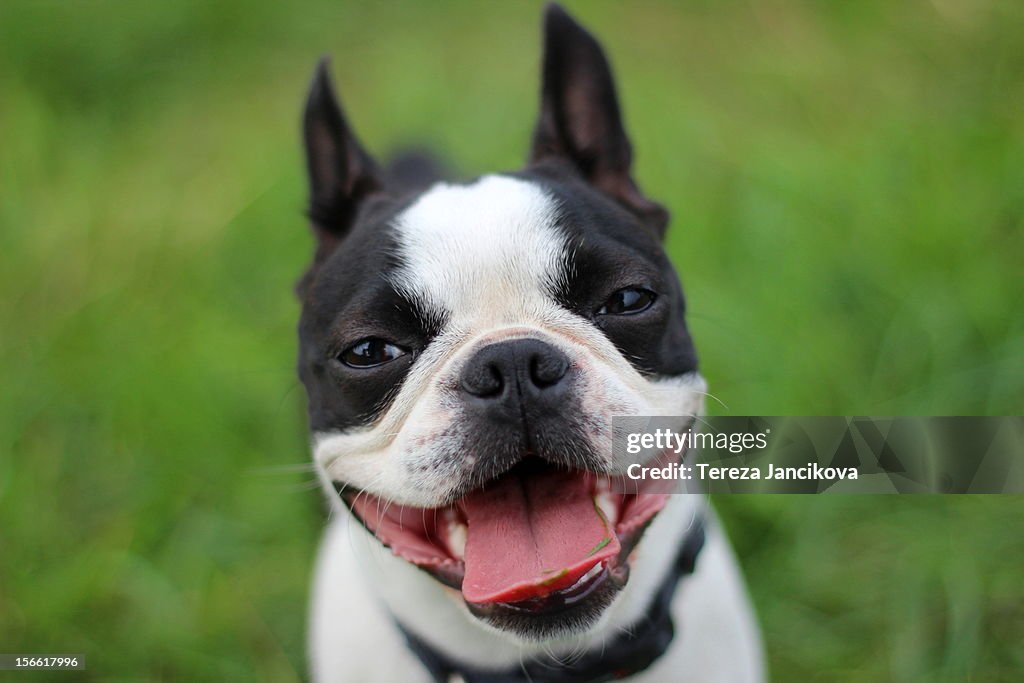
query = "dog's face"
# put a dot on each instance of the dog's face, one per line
(464, 349)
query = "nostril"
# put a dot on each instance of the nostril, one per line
(493, 382)
(484, 381)
(548, 369)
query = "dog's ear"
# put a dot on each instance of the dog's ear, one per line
(580, 119)
(341, 173)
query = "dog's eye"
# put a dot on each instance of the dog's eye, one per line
(628, 301)
(369, 353)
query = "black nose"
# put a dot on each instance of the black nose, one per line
(504, 373)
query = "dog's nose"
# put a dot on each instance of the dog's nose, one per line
(499, 374)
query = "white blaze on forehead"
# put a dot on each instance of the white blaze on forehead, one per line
(490, 249)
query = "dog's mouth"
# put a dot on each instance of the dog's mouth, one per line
(537, 540)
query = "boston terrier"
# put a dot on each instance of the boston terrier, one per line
(464, 347)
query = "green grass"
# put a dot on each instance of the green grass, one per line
(848, 192)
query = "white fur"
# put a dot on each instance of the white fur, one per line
(486, 254)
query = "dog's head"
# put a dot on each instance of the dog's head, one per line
(464, 349)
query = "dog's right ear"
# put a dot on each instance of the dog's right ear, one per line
(341, 173)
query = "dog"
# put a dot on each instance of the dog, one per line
(464, 347)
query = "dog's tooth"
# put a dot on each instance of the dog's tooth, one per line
(606, 504)
(457, 532)
(591, 573)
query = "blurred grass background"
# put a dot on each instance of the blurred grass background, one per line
(848, 192)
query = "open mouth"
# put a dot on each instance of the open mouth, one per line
(538, 540)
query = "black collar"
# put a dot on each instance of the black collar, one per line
(631, 652)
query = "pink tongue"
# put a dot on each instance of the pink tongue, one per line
(528, 536)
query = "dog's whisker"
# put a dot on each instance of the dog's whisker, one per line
(712, 396)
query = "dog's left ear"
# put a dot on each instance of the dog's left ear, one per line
(580, 121)
(341, 173)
